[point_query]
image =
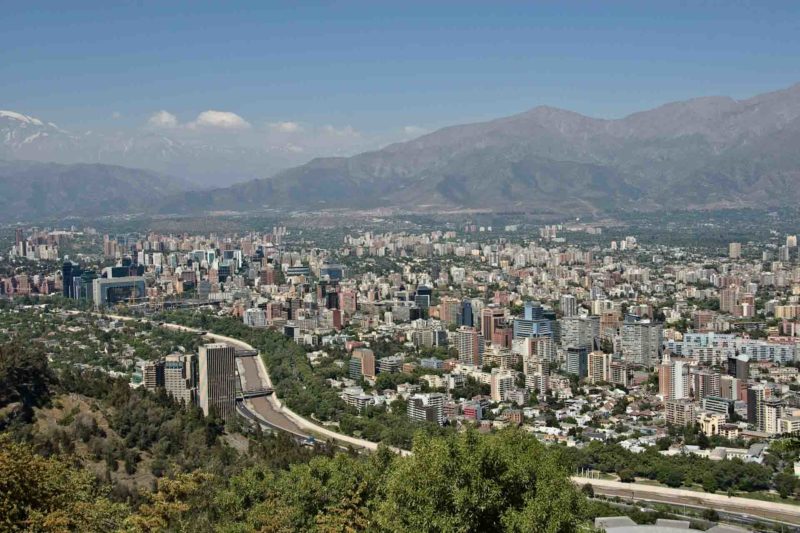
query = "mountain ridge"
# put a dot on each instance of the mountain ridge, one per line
(706, 151)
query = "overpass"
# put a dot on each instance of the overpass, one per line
(253, 393)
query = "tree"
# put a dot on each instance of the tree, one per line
(38, 494)
(470, 482)
(785, 484)
(626, 475)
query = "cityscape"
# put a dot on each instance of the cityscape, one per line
(359, 301)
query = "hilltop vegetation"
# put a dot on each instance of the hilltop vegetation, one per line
(50, 481)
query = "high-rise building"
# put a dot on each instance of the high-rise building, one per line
(580, 331)
(426, 407)
(180, 376)
(578, 361)
(618, 373)
(705, 383)
(641, 341)
(599, 367)
(153, 375)
(673, 378)
(533, 323)
(735, 250)
(728, 299)
(363, 362)
(756, 394)
(470, 345)
(490, 319)
(739, 368)
(108, 291)
(217, 380)
(501, 382)
(449, 310)
(569, 305)
(772, 411)
(465, 317)
(679, 412)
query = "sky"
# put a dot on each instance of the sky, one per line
(364, 72)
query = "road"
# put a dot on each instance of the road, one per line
(781, 512)
(272, 411)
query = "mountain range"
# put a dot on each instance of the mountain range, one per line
(38, 191)
(201, 161)
(702, 153)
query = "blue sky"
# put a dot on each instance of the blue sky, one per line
(379, 67)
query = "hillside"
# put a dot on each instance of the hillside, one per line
(705, 152)
(49, 190)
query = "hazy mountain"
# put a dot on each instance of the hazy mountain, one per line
(204, 163)
(33, 191)
(712, 151)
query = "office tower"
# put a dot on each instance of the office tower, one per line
(449, 310)
(362, 363)
(465, 317)
(217, 383)
(426, 408)
(569, 305)
(580, 331)
(153, 375)
(109, 291)
(599, 367)
(641, 341)
(533, 323)
(179, 377)
(501, 382)
(739, 368)
(578, 361)
(490, 319)
(67, 274)
(470, 345)
(423, 297)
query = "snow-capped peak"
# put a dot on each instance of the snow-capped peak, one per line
(21, 118)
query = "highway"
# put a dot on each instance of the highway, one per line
(271, 411)
(779, 512)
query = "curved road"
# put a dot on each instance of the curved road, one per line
(271, 411)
